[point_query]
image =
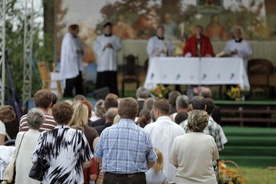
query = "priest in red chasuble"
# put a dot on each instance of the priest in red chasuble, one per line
(198, 45)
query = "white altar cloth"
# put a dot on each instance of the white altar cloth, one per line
(196, 71)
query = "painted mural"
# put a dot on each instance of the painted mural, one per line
(137, 20)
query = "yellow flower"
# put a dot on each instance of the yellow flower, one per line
(235, 92)
(243, 180)
(229, 176)
(232, 170)
(228, 173)
(160, 91)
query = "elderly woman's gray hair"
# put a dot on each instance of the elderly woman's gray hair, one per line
(148, 104)
(182, 101)
(35, 118)
(197, 120)
(99, 109)
(142, 92)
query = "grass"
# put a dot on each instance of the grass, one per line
(258, 175)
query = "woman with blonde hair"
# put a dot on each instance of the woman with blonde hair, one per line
(155, 174)
(79, 121)
(99, 111)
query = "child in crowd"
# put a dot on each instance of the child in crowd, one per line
(155, 175)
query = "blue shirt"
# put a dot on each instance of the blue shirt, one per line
(125, 148)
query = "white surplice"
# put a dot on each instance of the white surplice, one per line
(71, 61)
(162, 134)
(243, 49)
(107, 57)
(156, 45)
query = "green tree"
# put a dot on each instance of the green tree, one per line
(42, 46)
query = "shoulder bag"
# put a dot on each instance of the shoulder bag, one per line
(37, 170)
(9, 174)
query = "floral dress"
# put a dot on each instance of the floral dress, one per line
(64, 150)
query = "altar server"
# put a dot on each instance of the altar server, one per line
(106, 47)
(158, 46)
(238, 47)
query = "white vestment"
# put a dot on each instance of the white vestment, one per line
(106, 57)
(156, 45)
(71, 61)
(162, 134)
(243, 48)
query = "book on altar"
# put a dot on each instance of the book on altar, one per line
(223, 54)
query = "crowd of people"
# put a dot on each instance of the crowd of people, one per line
(120, 140)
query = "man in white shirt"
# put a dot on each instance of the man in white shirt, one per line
(162, 134)
(72, 52)
(238, 47)
(106, 47)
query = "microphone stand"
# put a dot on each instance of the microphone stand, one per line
(199, 44)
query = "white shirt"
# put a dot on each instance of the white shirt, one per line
(156, 45)
(173, 116)
(2, 128)
(24, 158)
(107, 57)
(243, 48)
(6, 154)
(71, 61)
(162, 134)
(194, 153)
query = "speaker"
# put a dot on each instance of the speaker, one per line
(101, 93)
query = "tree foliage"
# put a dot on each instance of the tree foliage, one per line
(42, 45)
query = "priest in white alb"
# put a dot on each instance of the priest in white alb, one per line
(72, 53)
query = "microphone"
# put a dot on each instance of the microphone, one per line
(198, 47)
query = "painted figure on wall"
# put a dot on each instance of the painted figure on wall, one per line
(215, 30)
(122, 29)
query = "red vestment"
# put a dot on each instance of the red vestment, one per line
(191, 46)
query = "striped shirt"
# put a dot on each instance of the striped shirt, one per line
(48, 124)
(65, 150)
(125, 148)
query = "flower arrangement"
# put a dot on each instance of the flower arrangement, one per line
(236, 93)
(160, 91)
(197, 90)
(229, 175)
